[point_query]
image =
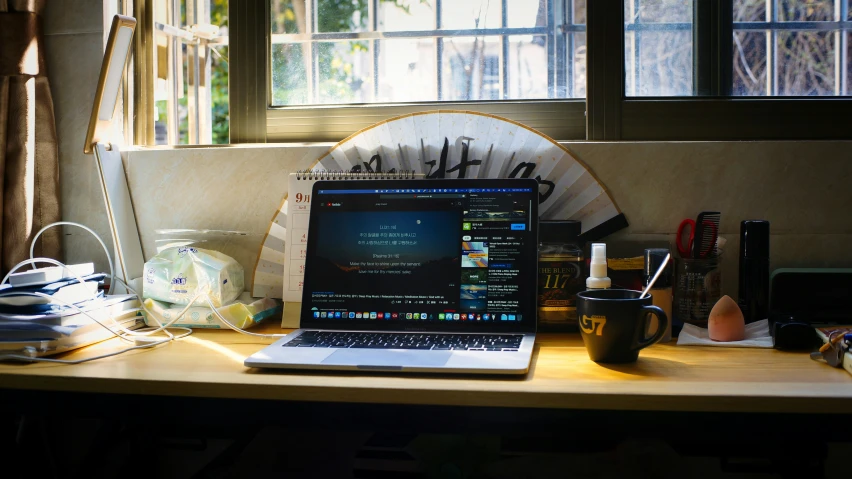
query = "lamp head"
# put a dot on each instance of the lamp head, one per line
(115, 57)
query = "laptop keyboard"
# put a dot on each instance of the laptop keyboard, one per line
(426, 341)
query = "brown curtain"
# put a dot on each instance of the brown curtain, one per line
(29, 156)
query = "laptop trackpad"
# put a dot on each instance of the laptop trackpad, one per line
(387, 358)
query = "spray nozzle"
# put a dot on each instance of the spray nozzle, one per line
(598, 253)
(598, 278)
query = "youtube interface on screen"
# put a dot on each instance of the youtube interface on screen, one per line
(433, 254)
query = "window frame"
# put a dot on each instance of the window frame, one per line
(703, 118)
(606, 114)
(560, 119)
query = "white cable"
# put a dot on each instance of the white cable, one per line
(52, 299)
(115, 279)
(71, 223)
(21, 357)
(170, 337)
(125, 333)
(206, 298)
(234, 327)
(85, 313)
(144, 333)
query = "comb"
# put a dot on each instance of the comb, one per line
(706, 234)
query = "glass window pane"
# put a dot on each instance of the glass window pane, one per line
(338, 15)
(410, 80)
(847, 70)
(805, 63)
(471, 69)
(749, 64)
(344, 52)
(289, 77)
(190, 108)
(344, 72)
(467, 14)
(579, 9)
(579, 66)
(659, 11)
(658, 47)
(807, 58)
(221, 119)
(749, 10)
(527, 63)
(411, 15)
(576, 50)
(805, 10)
(520, 15)
(285, 17)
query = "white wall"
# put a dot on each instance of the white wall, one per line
(803, 188)
(75, 37)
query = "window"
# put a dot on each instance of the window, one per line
(320, 70)
(344, 52)
(792, 48)
(519, 58)
(658, 48)
(189, 71)
(779, 48)
(763, 69)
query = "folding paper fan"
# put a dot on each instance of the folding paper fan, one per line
(458, 144)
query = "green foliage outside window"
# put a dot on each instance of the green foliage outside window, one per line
(219, 77)
(289, 74)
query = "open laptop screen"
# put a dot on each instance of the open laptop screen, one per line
(422, 255)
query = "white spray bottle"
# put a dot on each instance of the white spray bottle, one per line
(597, 271)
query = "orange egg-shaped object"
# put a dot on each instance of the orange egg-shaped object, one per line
(726, 322)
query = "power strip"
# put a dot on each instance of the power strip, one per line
(52, 274)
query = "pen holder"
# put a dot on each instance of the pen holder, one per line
(697, 287)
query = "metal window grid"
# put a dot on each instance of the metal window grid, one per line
(560, 39)
(198, 71)
(559, 33)
(840, 26)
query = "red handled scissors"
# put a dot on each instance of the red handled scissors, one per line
(685, 249)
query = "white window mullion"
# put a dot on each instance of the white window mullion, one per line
(840, 49)
(375, 46)
(309, 50)
(439, 53)
(174, 77)
(772, 48)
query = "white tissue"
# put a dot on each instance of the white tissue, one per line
(757, 336)
(176, 275)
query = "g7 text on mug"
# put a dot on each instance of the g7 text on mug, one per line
(613, 323)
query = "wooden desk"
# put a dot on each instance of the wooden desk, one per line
(666, 378)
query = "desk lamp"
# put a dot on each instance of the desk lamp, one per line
(128, 258)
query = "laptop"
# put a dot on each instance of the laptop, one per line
(423, 275)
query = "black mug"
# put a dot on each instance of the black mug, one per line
(613, 324)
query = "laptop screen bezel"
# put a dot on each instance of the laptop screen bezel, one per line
(529, 261)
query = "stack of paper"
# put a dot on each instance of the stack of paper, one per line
(51, 326)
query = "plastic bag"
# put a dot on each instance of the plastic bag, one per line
(244, 313)
(176, 275)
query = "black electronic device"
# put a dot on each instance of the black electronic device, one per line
(803, 298)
